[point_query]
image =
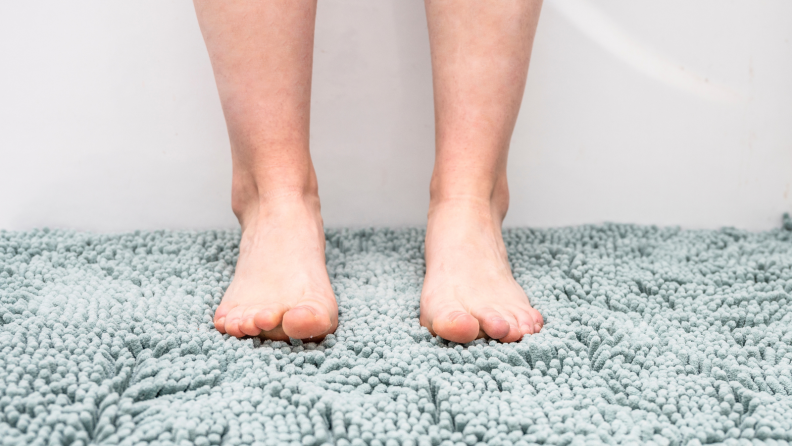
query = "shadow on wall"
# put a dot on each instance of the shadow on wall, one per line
(605, 32)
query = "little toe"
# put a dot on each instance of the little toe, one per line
(307, 320)
(224, 308)
(493, 322)
(538, 320)
(456, 325)
(220, 325)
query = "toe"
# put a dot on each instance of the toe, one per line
(267, 317)
(308, 320)
(220, 325)
(276, 334)
(492, 322)
(538, 320)
(232, 321)
(224, 308)
(247, 322)
(220, 315)
(450, 320)
(248, 327)
(232, 328)
(456, 326)
(525, 321)
(514, 334)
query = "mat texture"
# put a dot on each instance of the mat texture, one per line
(652, 335)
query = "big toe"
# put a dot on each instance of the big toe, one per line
(456, 325)
(308, 320)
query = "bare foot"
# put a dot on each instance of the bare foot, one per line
(281, 288)
(469, 291)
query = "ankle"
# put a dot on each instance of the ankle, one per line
(461, 213)
(250, 204)
(260, 184)
(492, 201)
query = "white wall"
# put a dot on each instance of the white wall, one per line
(672, 112)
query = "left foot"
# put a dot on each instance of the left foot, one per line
(469, 291)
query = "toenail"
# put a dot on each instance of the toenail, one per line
(537, 327)
(307, 307)
(220, 321)
(456, 316)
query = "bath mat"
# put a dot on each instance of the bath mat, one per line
(652, 336)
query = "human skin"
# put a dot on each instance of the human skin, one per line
(480, 54)
(262, 54)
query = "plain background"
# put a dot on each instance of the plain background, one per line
(668, 113)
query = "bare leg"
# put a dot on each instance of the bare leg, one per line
(480, 53)
(262, 54)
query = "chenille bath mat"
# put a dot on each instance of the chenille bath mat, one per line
(652, 336)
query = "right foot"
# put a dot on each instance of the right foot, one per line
(281, 288)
